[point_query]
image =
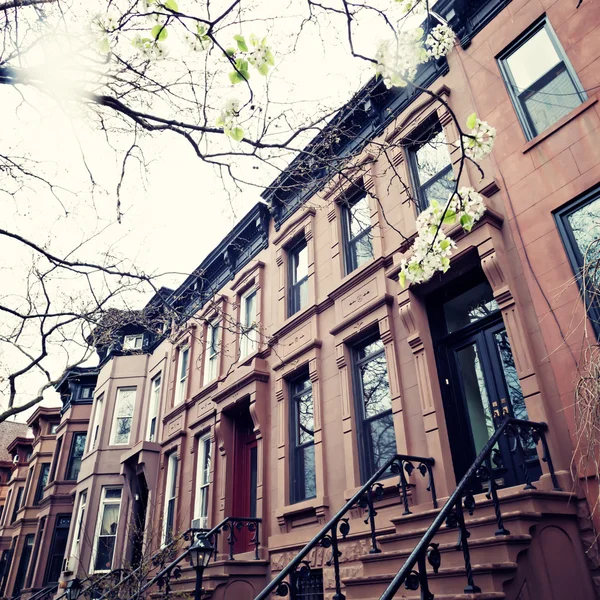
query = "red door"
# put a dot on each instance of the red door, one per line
(244, 481)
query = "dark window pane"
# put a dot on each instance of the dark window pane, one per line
(361, 250)
(77, 449)
(376, 389)
(308, 485)
(358, 237)
(470, 306)
(307, 585)
(383, 440)
(432, 157)
(303, 483)
(104, 554)
(57, 550)
(440, 188)
(359, 217)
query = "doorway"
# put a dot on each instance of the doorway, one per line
(140, 508)
(478, 377)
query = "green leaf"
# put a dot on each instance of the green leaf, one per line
(104, 45)
(449, 217)
(220, 122)
(419, 33)
(471, 120)
(237, 134)
(270, 58)
(467, 222)
(171, 4)
(160, 33)
(241, 42)
(402, 279)
(264, 69)
(230, 51)
(235, 77)
(445, 244)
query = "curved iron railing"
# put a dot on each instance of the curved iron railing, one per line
(401, 465)
(48, 591)
(519, 433)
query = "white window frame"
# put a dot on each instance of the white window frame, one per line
(135, 341)
(95, 431)
(75, 545)
(202, 481)
(170, 494)
(211, 351)
(116, 416)
(104, 502)
(248, 326)
(155, 391)
(182, 374)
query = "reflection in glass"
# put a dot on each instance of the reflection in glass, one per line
(585, 224)
(357, 215)
(470, 306)
(383, 440)
(303, 460)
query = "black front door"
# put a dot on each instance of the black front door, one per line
(57, 548)
(479, 379)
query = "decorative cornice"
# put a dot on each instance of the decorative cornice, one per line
(304, 214)
(256, 266)
(359, 314)
(252, 376)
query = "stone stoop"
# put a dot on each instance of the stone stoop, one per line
(495, 559)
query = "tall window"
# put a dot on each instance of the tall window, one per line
(28, 485)
(182, 374)
(374, 406)
(98, 414)
(540, 79)
(23, 563)
(302, 467)
(76, 543)
(307, 586)
(430, 165)
(357, 231)
(6, 506)
(203, 481)
(53, 428)
(77, 449)
(56, 458)
(133, 342)
(42, 483)
(57, 548)
(124, 406)
(579, 223)
(17, 505)
(106, 529)
(153, 409)
(211, 352)
(86, 392)
(249, 332)
(297, 277)
(170, 496)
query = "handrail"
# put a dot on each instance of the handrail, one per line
(454, 503)
(47, 590)
(364, 498)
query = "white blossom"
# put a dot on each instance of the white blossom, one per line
(468, 206)
(199, 41)
(414, 6)
(440, 41)
(149, 48)
(478, 144)
(228, 119)
(398, 59)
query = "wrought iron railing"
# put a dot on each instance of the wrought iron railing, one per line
(44, 593)
(520, 435)
(373, 490)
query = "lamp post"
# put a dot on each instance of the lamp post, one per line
(200, 552)
(73, 589)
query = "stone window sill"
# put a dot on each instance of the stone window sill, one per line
(313, 506)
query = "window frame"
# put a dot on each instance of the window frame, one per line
(204, 447)
(17, 505)
(211, 351)
(56, 459)
(561, 217)
(6, 506)
(70, 461)
(39, 488)
(248, 332)
(350, 260)
(170, 499)
(95, 431)
(296, 448)
(104, 501)
(155, 393)
(135, 337)
(511, 87)
(116, 417)
(294, 304)
(181, 378)
(80, 516)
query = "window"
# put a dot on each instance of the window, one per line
(540, 79)
(75, 546)
(86, 392)
(23, 564)
(302, 467)
(430, 165)
(54, 428)
(211, 352)
(57, 548)
(17, 505)
(98, 414)
(249, 331)
(307, 586)
(56, 457)
(377, 440)
(6, 505)
(133, 342)
(153, 409)
(42, 483)
(203, 481)
(77, 448)
(123, 415)
(357, 231)
(182, 374)
(170, 495)
(578, 224)
(28, 485)
(298, 277)
(106, 529)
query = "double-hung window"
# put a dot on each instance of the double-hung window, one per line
(153, 409)
(540, 79)
(170, 497)
(106, 529)
(302, 467)
(182, 374)
(579, 224)
(124, 406)
(86, 392)
(430, 165)
(98, 414)
(133, 342)
(211, 352)
(249, 331)
(358, 237)
(377, 440)
(56, 458)
(76, 543)
(203, 482)
(17, 506)
(297, 277)
(41, 483)
(75, 456)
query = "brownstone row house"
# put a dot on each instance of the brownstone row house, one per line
(298, 366)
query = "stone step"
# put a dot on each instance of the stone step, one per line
(449, 581)
(405, 594)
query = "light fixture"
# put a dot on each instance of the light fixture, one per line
(199, 552)
(73, 588)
